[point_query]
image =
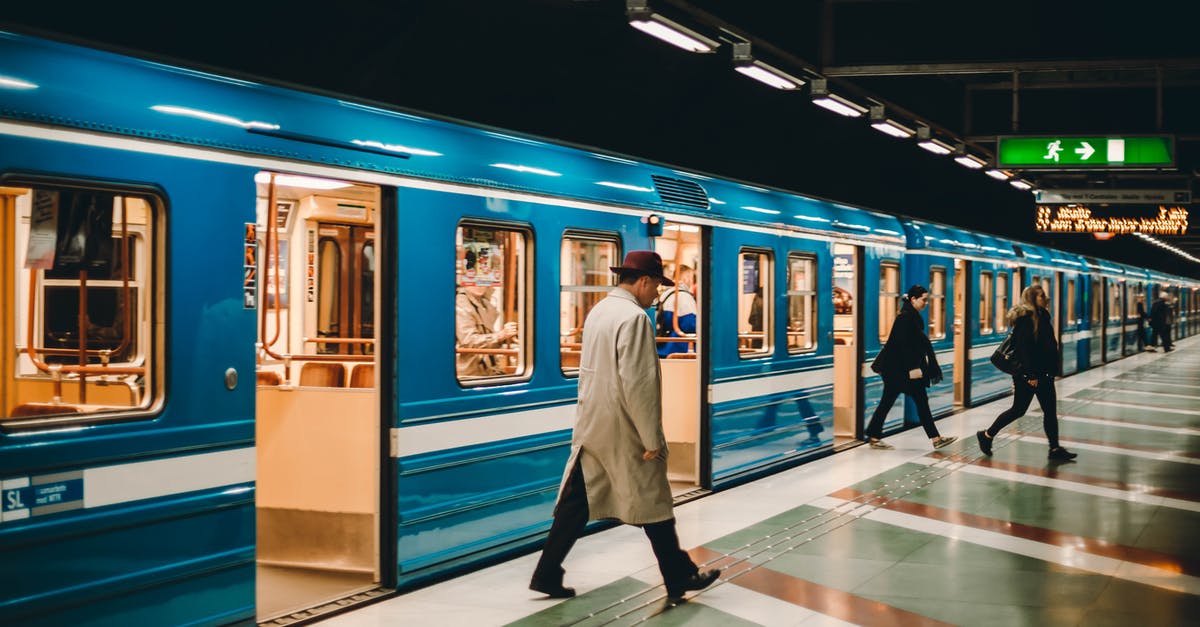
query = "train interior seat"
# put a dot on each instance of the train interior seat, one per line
(267, 377)
(362, 376)
(322, 374)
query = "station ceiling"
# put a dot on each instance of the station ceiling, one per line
(574, 70)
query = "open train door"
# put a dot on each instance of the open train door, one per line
(847, 345)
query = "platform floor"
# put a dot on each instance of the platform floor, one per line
(914, 537)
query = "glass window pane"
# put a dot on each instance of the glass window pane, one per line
(585, 280)
(889, 297)
(490, 304)
(754, 304)
(985, 302)
(802, 303)
(1001, 301)
(329, 293)
(937, 303)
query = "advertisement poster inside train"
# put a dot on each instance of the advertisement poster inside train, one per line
(481, 260)
(843, 283)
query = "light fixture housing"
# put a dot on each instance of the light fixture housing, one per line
(745, 63)
(643, 18)
(926, 140)
(822, 97)
(964, 158)
(998, 174)
(1020, 184)
(888, 126)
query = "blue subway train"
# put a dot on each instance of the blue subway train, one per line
(269, 353)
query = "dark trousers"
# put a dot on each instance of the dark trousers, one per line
(1141, 337)
(1022, 395)
(571, 516)
(915, 389)
(1163, 333)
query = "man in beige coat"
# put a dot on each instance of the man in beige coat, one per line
(618, 464)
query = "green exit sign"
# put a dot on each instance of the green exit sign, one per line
(1063, 153)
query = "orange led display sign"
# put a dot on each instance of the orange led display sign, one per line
(1079, 219)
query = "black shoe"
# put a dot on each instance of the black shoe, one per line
(985, 443)
(554, 591)
(1062, 454)
(697, 581)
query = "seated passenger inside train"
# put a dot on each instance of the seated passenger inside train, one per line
(475, 327)
(677, 309)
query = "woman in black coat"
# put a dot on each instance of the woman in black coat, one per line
(1036, 348)
(909, 365)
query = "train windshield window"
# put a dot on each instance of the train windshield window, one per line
(86, 298)
(937, 303)
(490, 293)
(754, 304)
(985, 302)
(802, 303)
(585, 281)
(1001, 301)
(889, 297)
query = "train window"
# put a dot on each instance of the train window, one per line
(490, 296)
(937, 303)
(1001, 301)
(82, 272)
(889, 297)
(329, 293)
(802, 303)
(754, 304)
(1114, 300)
(1097, 303)
(985, 302)
(1131, 300)
(585, 279)
(1071, 317)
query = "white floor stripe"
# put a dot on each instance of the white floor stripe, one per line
(1150, 379)
(1066, 556)
(1189, 412)
(1129, 425)
(1144, 392)
(1082, 488)
(1115, 450)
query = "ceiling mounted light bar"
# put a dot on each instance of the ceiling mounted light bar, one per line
(745, 63)
(888, 126)
(1020, 184)
(646, 20)
(966, 159)
(926, 140)
(822, 97)
(999, 175)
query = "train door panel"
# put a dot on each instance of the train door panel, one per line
(847, 317)
(936, 274)
(882, 288)
(962, 388)
(682, 247)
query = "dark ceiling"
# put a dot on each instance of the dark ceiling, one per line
(573, 70)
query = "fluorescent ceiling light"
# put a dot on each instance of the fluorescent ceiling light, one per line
(822, 97)
(760, 210)
(632, 188)
(893, 128)
(370, 143)
(213, 117)
(1020, 184)
(9, 82)
(999, 175)
(764, 73)
(644, 19)
(936, 146)
(293, 180)
(524, 168)
(970, 161)
(683, 228)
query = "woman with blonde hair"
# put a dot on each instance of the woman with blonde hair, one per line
(1036, 348)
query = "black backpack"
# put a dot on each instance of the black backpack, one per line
(662, 328)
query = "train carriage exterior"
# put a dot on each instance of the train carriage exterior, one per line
(232, 355)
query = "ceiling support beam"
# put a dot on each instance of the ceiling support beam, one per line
(1005, 67)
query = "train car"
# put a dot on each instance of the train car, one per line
(270, 352)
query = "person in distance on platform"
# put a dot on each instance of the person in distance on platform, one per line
(618, 464)
(1036, 349)
(1141, 323)
(909, 365)
(1160, 322)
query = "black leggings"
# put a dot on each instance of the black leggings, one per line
(915, 389)
(1023, 394)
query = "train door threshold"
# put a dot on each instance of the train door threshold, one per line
(690, 495)
(329, 608)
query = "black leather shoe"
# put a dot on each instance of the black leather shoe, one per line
(985, 443)
(697, 581)
(554, 591)
(1063, 454)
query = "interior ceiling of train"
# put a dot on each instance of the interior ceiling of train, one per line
(574, 70)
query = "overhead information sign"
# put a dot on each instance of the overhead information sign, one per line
(1063, 153)
(1114, 196)
(1079, 219)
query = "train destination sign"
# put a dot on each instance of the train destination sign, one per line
(1079, 219)
(1113, 196)
(1097, 151)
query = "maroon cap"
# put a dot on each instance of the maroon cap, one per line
(645, 262)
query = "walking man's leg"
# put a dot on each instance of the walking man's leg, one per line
(679, 572)
(570, 517)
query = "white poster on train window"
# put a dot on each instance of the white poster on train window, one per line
(482, 261)
(43, 230)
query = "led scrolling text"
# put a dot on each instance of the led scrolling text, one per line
(1079, 219)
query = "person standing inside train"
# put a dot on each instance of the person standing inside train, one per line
(618, 464)
(909, 365)
(677, 306)
(1160, 322)
(1035, 345)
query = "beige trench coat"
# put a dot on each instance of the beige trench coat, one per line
(619, 415)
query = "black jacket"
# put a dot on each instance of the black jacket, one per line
(1038, 355)
(908, 347)
(1160, 314)
(1141, 313)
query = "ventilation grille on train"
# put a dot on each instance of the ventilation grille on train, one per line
(679, 192)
